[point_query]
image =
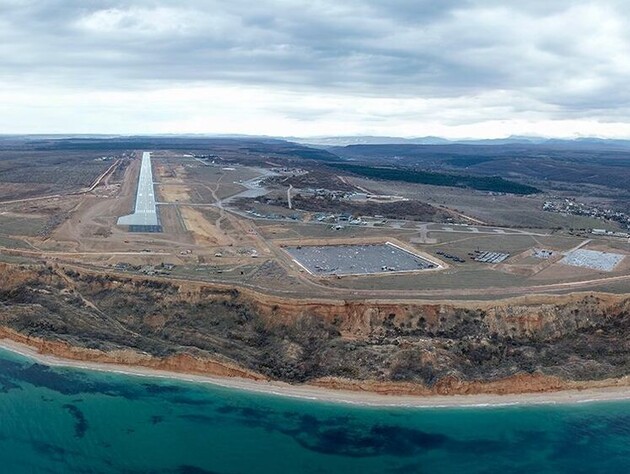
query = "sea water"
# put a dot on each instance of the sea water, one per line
(68, 420)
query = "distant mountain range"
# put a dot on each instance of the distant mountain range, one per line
(341, 141)
(513, 140)
(368, 140)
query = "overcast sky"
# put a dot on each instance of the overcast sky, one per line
(453, 68)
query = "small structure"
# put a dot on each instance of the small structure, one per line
(491, 257)
(542, 253)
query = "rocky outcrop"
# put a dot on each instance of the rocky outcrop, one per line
(534, 343)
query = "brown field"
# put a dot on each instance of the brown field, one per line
(174, 192)
(203, 231)
(22, 223)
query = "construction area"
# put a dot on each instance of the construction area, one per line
(358, 259)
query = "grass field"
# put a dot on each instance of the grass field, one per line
(55, 170)
(12, 243)
(473, 277)
(292, 230)
(22, 225)
(504, 210)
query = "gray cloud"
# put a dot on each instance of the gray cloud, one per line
(570, 59)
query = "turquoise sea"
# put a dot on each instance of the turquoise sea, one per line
(64, 420)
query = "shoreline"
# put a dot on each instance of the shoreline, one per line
(318, 394)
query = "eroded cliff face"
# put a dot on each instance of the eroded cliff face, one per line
(528, 344)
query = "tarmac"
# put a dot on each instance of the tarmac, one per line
(145, 216)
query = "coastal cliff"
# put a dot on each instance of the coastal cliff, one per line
(529, 344)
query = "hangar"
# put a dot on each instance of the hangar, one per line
(145, 217)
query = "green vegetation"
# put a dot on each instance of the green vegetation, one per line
(466, 161)
(54, 171)
(290, 150)
(481, 183)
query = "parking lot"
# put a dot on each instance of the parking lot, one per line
(357, 259)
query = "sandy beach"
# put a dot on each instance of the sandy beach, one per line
(335, 396)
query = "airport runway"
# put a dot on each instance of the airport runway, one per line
(145, 213)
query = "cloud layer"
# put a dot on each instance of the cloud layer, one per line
(453, 67)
